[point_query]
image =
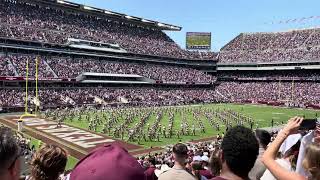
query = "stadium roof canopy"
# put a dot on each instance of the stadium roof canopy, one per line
(107, 13)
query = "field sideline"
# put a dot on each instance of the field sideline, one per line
(260, 113)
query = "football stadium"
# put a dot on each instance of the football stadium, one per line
(88, 93)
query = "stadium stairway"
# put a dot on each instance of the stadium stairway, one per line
(68, 100)
(98, 100)
(12, 66)
(223, 96)
(307, 39)
(49, 68)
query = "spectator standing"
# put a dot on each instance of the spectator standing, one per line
(310, 162)
(259, 168)
(240, 149)
(178, 171)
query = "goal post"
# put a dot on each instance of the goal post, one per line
(26, 105)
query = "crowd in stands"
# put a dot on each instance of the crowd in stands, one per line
(64, 67)
(291, 46)
(240, 154)
(145, 97)
(301, 93)
(50, 24)
(20, 64)
(5, 68)
(269, 75)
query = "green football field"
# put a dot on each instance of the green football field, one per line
(261, 115)
(198, 40)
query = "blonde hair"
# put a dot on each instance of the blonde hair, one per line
(311, 161)
(48, 163)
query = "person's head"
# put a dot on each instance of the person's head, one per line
(48, 163)
(180, 153)
(196, 166)
(152, 161)
(263, 137)
(311, 160)
(9, 155)
(240, 149)
(215, 164)
(108, 162)
(205, 160)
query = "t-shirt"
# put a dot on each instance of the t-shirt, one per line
(176, 174)
(283, 163)
(149, 174)
(206, 173)
(259, 168)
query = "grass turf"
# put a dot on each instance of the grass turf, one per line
(261, 114)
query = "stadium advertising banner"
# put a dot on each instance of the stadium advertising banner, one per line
(198, 40)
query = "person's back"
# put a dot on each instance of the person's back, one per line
(283, 163)
(259, 168)
(178, 171)
(176, 174)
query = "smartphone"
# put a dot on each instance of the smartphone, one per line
(308, 124)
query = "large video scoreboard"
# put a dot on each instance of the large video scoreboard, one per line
(198, 40)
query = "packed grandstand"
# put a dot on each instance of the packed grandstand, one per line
(279, 47)
(124, 63)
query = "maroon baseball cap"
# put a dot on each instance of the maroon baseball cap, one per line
(109, 162)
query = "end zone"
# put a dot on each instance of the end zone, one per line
(78, 142)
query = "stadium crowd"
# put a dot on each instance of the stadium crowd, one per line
(55, 25)
(73, 67)
(299, 93)
(144, 97)
(62, 67)
(271, 75)
(5, 68)
(291, 46)
(240, 154)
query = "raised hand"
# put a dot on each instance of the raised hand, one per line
(293, 125)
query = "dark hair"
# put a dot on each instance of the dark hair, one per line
(9, 149)
(152, 160)
(240, 150)
(48, 163)
(263, 137)
(196, 167)
(180, 150)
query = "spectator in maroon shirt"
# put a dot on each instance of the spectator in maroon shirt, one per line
(149, 172)
(240, 149)
(204, 170)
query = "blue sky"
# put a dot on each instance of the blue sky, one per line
(224, 18)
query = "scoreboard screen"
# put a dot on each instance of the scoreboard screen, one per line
(198, 40)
